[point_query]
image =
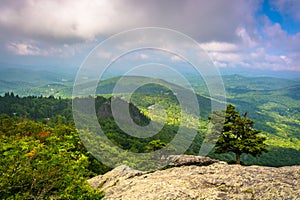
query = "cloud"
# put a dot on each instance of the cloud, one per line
(232, 33)
(65, 21)
(277, 38)
(51, 24)
(287, 8)
(143, 56)
(257, 59)
(219, 46)
(105, 54)
(25, 49)
(275, 49)
(246, 39)
(176, 58)
(72, 21)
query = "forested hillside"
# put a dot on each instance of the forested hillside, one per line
(51, 111)
(273, 107)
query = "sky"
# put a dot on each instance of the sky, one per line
(262, 35)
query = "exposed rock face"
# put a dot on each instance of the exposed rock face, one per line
(104, 111)
(111, 178)
(180, 160)
(216, 181)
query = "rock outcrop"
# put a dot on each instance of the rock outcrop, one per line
(104, 111)
(111, 178)
(215, 181)
(185, 160)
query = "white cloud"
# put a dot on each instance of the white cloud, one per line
(247, 40)
(228, 57)
(279, 39)
(62, 20)
(275, 50)
(25, 49)
(104, 54)
(219, 46)
(69, 20)
(220, 64)
(144, 56)
(176, 58)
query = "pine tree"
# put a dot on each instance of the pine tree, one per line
(239, 136)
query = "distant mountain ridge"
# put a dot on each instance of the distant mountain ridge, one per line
(273, 104)
(27, 82)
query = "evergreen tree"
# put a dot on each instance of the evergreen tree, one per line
(239, 136)
(155, 145)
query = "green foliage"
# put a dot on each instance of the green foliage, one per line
(239, 136)
(45, 109)
(40, 162)
(277, 115)
(155, 145)
(276, 157)
(134, 144)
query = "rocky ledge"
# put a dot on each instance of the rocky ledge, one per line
(213, 180)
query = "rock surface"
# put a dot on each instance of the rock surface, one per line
(180, 160)
(111, 178)
(215, 181)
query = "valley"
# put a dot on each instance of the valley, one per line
(272, 103)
